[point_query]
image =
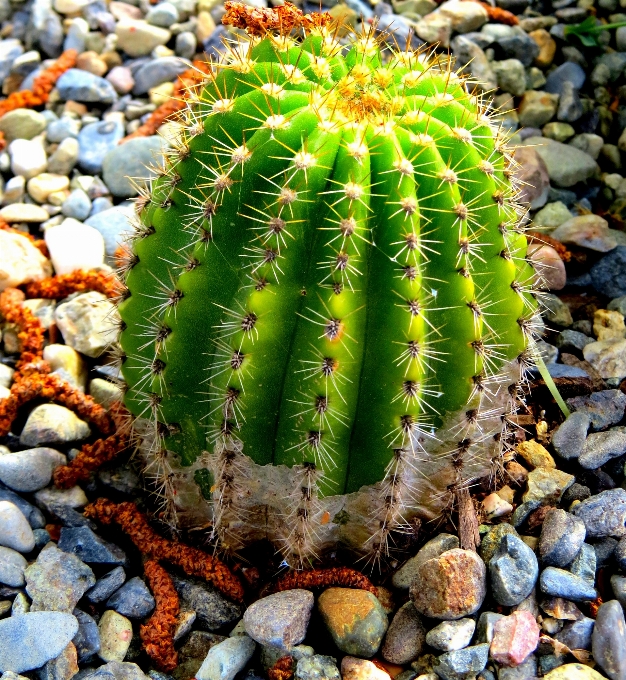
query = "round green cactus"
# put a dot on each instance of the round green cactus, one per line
(329, 302)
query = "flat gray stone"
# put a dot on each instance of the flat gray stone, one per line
(30, 470)
(12, 566)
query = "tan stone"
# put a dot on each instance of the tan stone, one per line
(41, 186)
(547, 47)
(535, 454)
(21, 262)
(608, 325)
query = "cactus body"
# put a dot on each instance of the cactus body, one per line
(328, 293)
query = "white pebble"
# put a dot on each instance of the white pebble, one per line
(23, 212)
(21, 262)
(41, 186)
(28, 157)
(15, 532)
(74, 245)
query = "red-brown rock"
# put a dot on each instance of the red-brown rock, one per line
(514, 638)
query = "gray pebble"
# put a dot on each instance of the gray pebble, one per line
(77, 205)
(95, 141)
(212, 609)
(527, 670)
(12, 566)
(106, 585)
(608, 642)
(58, 130)
(133, 599)
(577, 634)
(164, 14)
(404, 576)
(600, 447)
(114, 225)
(157, 71)
(450, 636)
(317, 667)
(405, 636)
(29, 641)
(620, 554)
(131, 159)
(569, 340)
(604, 514)
(618, 584)
(82, 86)
(87, 640)
(280, 620)
(186, 44)
(485, 626)
(562, 536)
(29, 470)
(53, 424)
(15, 532)
(513, 571)
(584, 564)
(462, 663)
(57, 580)
(226, 659)
(522, 512)
(568, 72)
(608, 275)
(561, 583)
(89, 547)
(569, 438)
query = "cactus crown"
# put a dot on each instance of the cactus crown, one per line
(328, 273)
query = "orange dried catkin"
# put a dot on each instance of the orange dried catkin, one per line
(157, 633)
(62, 285)
(192, 561)
(283, 19)
(324, 578)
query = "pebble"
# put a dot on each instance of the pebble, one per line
(28, 157)
(87, 322)
(620, 554)
(566, 165)
(63, 160)
(53, 424)
(609, 640)
(51, 497)
(138, 38)
(600, 447)
(114, 225)
(121, 78)
(577, 634)
(116, 634)
(41, 186)
(604, 408)
(23, 212)
(515, 637)
(494, 506)
(12, 566)
(450, 586)
(573, 671)
(604, 514)
(569, 340)
(556, 311)
(95, 141)
(405, 636)
(547, 485)
(72, 246)
(491, 540)
(104, 392)
(82, 86)
(462, 663)
(157, 71)
(131, 159)
(89, 547)
(569, 438)
(485, 626)
(404, 576)
(29, 470)
(212, 609)
(15, 531)
(608, 357)
(193, 652)
(106, 585)
(280, 620)
(548, 265)
(562, 536)
(513, 571)
(608, 324)
(584, 564)
(133, 599)
(77, 205)
(534, 174)
(618, 585)
(587, 231)
(22, 124)
(361, 669)
(618, 305)
(536, 109)
(226, 659)
(30, 640)
(87, 640)
(21, 262)
(535, 454)
(355, 620)
(451, 635)
(608, 275)
(561, 583)
(317, 667)
(33, 515)
(57, 580)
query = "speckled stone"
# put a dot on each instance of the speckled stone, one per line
(513, 571)
(450, 586)
(404, 576)
(451, 635)
(609, 640)
(116, 634)
(491, 540)
(355, 619)
(226, 659)
(213, 610)
(15, 532)
(12, 566)
(133, 599)
(462, 663)
(405, 636)
(604, 514)
(562, 536)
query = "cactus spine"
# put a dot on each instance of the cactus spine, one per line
(329, 305)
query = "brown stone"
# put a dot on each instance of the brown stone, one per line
(547, 47)
(450, 586)
(533, 176)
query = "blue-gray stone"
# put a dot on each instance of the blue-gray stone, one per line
(82, 542)
(570, 107)
(562, 536)
(87, 640)
(604, 514)
(133, 599)
(100, 204)
(212, 609)
(615, 62)
(157, 71)
(113, 224)
(462, 663)
(42, 538)
(561, 583)
(604, 408)
(527, 670)
(30, 640)
(12, 566)
(584, 564)
(226, 659)
(519, 46)
(600, 447)
(34, 515)
(76, 37)
(164, 14)
(317, 667)
(567, 72)
(485, 626)
(10, 49)
(608, 275)
(568, 340)
(95, 141)
(522, 511)
(618, 584)
(48, 30)
(107, 585)
(620, 554)
(77, 205)
(130, 160)
(604, 550)
(566, 371)
(82, 86)
(569, 438)
(58, 130)
(577, 634)
(186, 44)
(69, 517)
(608, 640)
(513, 571)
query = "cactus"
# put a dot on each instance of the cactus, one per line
(328, 308)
